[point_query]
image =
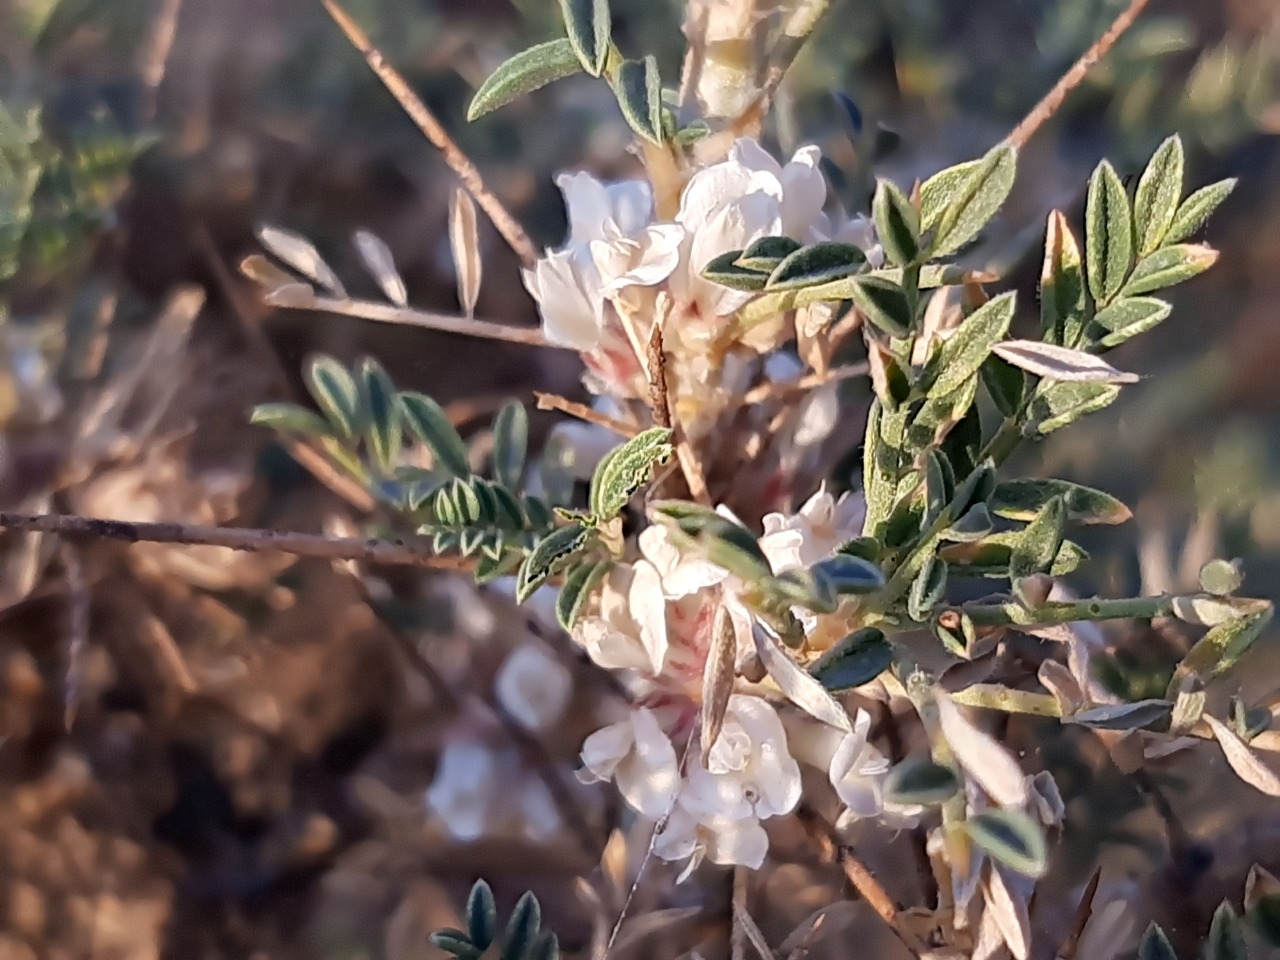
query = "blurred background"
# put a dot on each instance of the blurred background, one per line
(206, 755)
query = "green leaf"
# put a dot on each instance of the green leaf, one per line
(1196, 210)
(522, 929)
(482, 915)
(884, 303)
(991, 557)
(764, 255)
(431, 425)
(1012, 838)
(1129, 316)
(527, 71)
(638, 88)
(1169, 266)
(957, 203)
(510, 444)
(336, 393)
(1024, 499)
(383, 430)
(1264, 917)
(579, 585)
(625, 469)
(1124, 716)
(733, 547)
(1109, 234)
(897, 224)
(850, 575)
(1062, 302)
(1155, 945)
(1037, 547)
(802, 588)
(588, 25)
(864, 548)
(1226, 936)
(973, 526)
(856, 660)
(1223, 646)
(725, 271)
(817, 263)
(1159, 191)
(547, 948)
(551, 555)
(465, 503)
(290, 418)
(918, 780)
(455, 942)
(1005, 383)
(1056, 405)
(961, 356)
(1221, 577)
(927, 590)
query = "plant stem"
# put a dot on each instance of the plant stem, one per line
(432, 129)
(447, 323)
(402, 552)
(1015, 614)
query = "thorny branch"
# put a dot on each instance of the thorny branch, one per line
(431, 128)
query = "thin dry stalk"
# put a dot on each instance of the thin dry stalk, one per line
(1052, 101)
(444, 322)
(319, 467)
(431, 128)
(398, 552)
(1083, 912)
(861, 878)
(155, 59)
(656, 364)
(77, 631)
(766, 390)
(167, 657)
(551, 401)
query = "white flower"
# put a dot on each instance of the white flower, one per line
(629, 631)
(600, 209)
(750, 771)
(857, 770)
(813, 534)
(719, 839)
(465, 784)
(683, 572)
(728, 205)
(533, 687)
(639, 756)
(569, 299)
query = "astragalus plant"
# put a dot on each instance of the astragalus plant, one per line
(755, 602)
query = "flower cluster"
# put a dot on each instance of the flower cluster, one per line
(656, 618)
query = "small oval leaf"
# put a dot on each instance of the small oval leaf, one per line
(1060, 364)
(1159, 191)
(1109, 234)
(527, 71)
(625, 469)
(510, 444)
(918, 780)
(856, 660)
(639, 91)
(1012, 838)
(817, 263)
(430, 423)
(588, 25)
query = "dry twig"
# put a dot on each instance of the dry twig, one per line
(444, 322)
(1049, 105)
(426, 121)
(551, 401)
(861, 878)
(401, 552)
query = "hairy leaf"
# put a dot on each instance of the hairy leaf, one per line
(1169, 266)
(381, 266)
(1129, 316)
(482, 915)
(337, 394)
(1012, 838)
(884, 303)
(969, 347)
(551, 555)
(1124, 716)
(1109, 235)
(817, 263)
(510, 444)
(290, 418)
(625, 469)
(918, 780)
(1196, 210)
(639, 91)
(897, 223)
(1060, 364)
(1056, 405)
(431, 425)
(1062, 284)
(856, 660)
(1035, 550)
(957, 203)
(579, 585)
(527, 71)
(1159, 191)
(588, 25)
(1024, 499)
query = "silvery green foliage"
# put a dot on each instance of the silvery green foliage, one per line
(521, 938)
(736, 628)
